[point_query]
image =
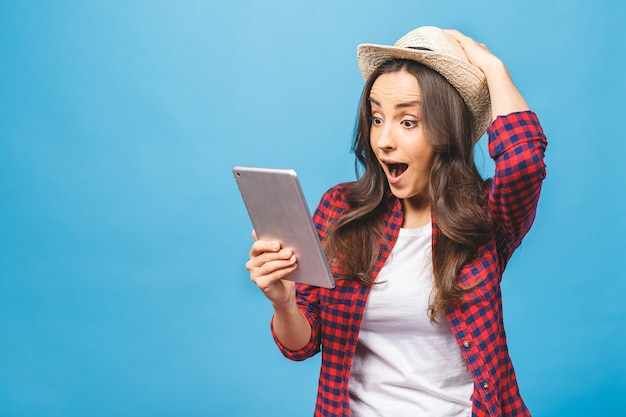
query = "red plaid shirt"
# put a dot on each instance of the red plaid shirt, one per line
(517, 144)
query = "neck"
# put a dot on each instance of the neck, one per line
(416, 212)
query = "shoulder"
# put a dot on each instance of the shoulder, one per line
(336, 196)
(332, 205)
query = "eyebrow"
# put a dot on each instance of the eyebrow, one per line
(399, 105)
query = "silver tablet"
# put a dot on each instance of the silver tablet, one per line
(278, 211)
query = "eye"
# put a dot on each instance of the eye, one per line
(377, 121)
(409, 124)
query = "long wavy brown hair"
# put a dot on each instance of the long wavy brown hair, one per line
(456, 191)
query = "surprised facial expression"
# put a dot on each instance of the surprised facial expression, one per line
(397, 134)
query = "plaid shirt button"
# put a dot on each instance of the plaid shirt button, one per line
(485, 386)
(466, 344)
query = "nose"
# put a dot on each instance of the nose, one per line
(383, 138)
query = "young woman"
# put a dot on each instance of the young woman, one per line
(419, 242)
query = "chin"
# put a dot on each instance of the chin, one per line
(404, 194)
(399, 194)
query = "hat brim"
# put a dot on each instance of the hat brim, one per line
(467, 79)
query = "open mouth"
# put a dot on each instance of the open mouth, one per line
(397, 169)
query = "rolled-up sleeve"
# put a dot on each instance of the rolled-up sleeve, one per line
(517, 145)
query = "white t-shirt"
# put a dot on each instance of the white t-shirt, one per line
(405, 365)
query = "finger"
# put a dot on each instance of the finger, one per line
(262, 246)
(266, 262)
(461, 38)
(272, 271)
(455, 34)
(254, 236)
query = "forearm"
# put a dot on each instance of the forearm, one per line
(291, 327)
(505, 97)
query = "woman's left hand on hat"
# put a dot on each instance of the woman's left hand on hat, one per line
(477, 53)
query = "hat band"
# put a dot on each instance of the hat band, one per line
(420, 48)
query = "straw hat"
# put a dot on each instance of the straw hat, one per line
(436, 49)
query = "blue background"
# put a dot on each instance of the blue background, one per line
(123, 237)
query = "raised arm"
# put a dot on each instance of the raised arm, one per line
(516, 144)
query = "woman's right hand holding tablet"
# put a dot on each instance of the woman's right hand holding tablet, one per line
(269, 263)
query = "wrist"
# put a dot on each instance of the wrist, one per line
(286, 308)
(493, 67)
